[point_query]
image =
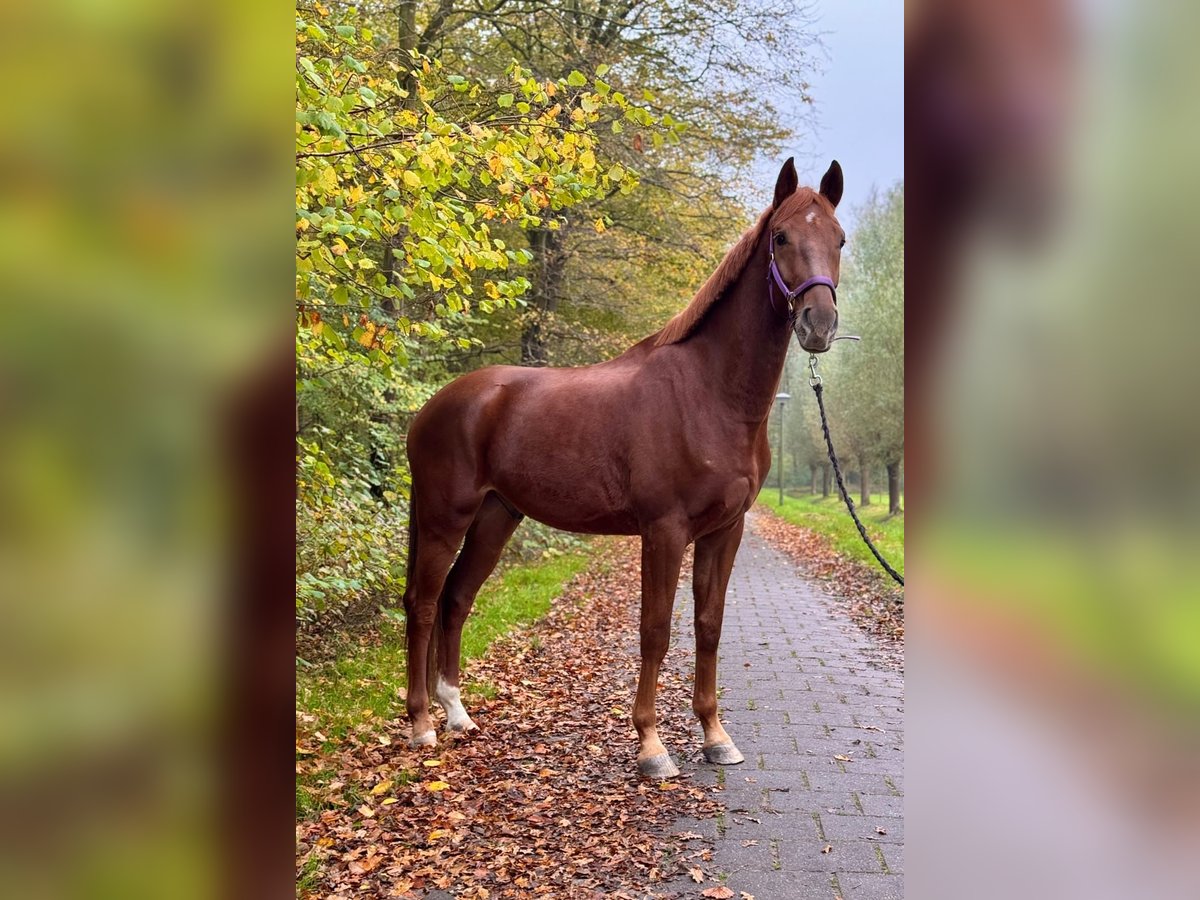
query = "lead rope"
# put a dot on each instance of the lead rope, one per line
(815, 383)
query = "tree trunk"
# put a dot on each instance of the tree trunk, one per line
(546, 272)
(826, 477)
(864, 483)
(893, 473)
(406, 34)
(812, 480)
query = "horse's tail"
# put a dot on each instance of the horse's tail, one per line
(412, 541)
(432, 667)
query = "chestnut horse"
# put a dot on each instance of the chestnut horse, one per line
(667, 441)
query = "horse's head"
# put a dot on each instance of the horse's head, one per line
(806, 246)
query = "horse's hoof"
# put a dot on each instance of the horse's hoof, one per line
(461, 726)
(723, 754)
(424, 739)
(658, 767)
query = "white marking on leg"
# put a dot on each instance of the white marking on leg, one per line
(450, 699)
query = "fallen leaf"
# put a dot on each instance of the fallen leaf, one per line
(438, 833)
(366, 810)
(382, 787)
(881, 831)
(826, 848)
(717, 893)
(431, 763)
(436, 786)
(697, 874)
(842, 758)
(746, 895)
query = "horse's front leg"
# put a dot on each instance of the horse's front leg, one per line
(710, 578)
(662, 555)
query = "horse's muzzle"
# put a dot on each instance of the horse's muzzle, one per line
(811, 341)
(815, 325)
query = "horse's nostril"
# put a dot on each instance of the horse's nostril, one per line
(805, 318)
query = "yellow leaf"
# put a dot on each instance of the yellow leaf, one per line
(389, 801)
(382, 787)
(329, 180)
(435, 786)
(431, 763)
(412, 179)
(599, 226)
(587, 160)
(438, 833)
(366, 810)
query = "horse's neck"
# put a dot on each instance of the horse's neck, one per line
(743, 342)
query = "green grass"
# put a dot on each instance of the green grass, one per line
(828, 516)
(1122, 602)
(364, 684)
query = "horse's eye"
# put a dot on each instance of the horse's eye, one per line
(780, 238)
(842, 244)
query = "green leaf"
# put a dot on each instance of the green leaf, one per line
(345, 32)
(602, 69)
(576, 79)
(504, 101)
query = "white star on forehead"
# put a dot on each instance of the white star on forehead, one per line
(809, 218)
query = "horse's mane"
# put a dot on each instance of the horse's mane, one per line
(731, 267)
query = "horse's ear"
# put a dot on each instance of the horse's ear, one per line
(787, 182)
(831, 184)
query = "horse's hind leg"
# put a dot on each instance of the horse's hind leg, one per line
(438, 536)
(488, 534)
(710, 578)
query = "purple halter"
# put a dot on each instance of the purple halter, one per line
(774, 278)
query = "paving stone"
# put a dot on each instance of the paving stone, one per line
(814, 685)
(843, 856)
(850, 827)
(856, 886)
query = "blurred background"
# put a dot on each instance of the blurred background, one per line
(145, 250)
(1054, 663)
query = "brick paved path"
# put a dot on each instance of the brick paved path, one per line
(802, 686)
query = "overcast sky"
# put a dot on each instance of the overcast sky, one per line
(859, 94)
